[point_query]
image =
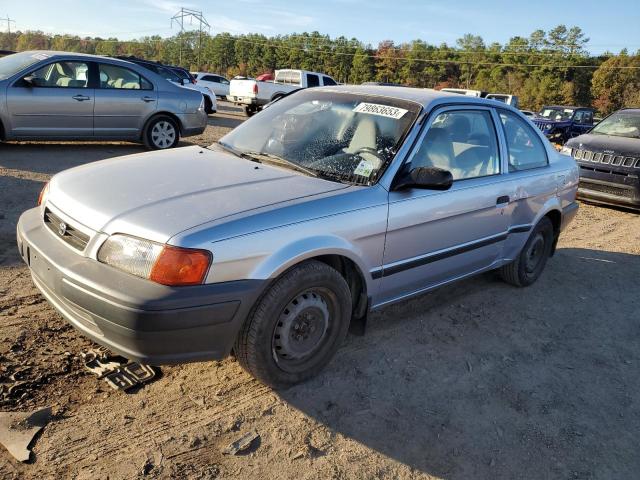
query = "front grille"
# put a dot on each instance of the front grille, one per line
(68, 233)
(606, 159)
(611, 190)
(540, 125)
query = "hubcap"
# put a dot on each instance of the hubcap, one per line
(301, 327)
(163, 134)
(535, 253)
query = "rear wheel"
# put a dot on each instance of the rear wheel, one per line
(297, 326)
(208, 105)
(528, 266)
(161, 133)
(250, 110)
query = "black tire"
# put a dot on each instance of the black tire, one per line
(250, 110)
(530, 263)
(208, 106)
(156, 136)
(278, 343)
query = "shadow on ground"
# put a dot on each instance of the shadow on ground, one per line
(465, 383)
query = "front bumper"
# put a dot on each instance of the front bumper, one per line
(609, 188)
(137, 318)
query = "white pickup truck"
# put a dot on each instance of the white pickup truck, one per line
(252, 94)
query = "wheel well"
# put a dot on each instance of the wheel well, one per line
(556, 219)
(2, 133)
(355, 279)
(166, 114)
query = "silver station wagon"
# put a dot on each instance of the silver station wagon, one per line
(329, 204)
(68, 96)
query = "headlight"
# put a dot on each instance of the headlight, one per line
(566, 150)
(160, 263)
(548, 127)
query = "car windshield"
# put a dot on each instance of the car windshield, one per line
(344, 137)
(620, 124)
(12, 64)
(557, 113)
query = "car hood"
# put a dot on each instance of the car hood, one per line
(607, 144)
(157, 195)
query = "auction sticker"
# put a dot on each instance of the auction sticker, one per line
(364, 168)
(382, 110)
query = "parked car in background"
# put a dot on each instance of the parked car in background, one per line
(609, 160)
(559, 123)
(184, 74)
(331, 203)
(529, 113)
(500, 97)
(218, 84)
(265, 77)
(252, 94)
(169, 73)
(68, 96)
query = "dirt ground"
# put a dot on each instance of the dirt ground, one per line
(476, 380)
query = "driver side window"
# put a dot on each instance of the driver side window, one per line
(463, 142)
(65, 74)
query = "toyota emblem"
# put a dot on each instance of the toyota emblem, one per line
(62, 229)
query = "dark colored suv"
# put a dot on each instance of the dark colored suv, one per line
(560, 123)
(609, 159)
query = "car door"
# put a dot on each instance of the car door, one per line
(124, 100)
(437, 236)
(54, 101)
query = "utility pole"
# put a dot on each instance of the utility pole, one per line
(9, 22)
(187, 13)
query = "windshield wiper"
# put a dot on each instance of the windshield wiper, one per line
(271, 158)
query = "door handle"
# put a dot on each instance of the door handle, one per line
(148, 99)
(502, 200)
(80, 98)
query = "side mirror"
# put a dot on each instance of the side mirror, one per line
(32, 81)
(428, 178)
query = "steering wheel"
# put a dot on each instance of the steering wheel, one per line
(371, 151)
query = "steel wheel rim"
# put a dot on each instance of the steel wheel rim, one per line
(163, 134)
(302, 328)
(535, 253)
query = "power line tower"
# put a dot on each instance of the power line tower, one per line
(8, 21)
(191, 15)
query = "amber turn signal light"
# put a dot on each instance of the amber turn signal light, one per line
(180, 266)
(43, 193)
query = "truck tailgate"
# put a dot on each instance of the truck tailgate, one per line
(242, 88)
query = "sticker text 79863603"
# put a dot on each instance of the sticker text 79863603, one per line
(382, 110)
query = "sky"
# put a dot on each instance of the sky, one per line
(610, 25)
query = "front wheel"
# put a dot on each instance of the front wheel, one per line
(528, 266)
(297, 326)
(161, 133)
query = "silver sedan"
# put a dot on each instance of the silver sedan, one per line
(67, 96)
(332, 202)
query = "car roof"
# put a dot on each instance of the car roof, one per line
(568, 106)
(427, 97)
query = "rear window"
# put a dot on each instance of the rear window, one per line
(313, 80)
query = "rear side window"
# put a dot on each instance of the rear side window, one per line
(526, 149)
(313, 80)
(112, 76)
(210, 78)
(328, 81)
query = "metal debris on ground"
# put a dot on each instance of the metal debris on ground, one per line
(117, 371)
(242, 444)
(17, 430)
